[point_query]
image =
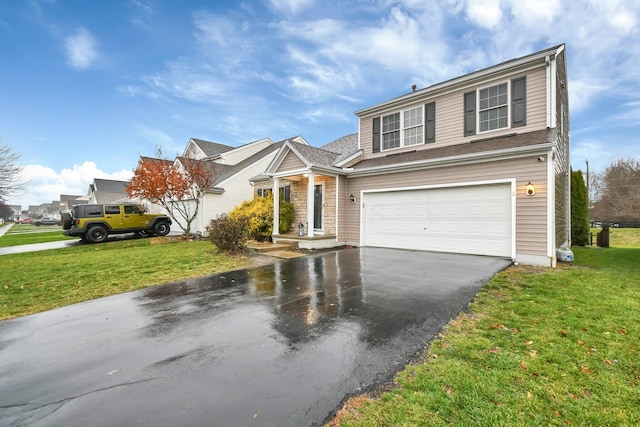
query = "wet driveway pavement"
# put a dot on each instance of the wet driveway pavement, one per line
(278, 345)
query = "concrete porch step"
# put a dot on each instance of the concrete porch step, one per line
(268, 247)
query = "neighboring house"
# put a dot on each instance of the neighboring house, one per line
(67, 201)
(49, 210)
(232, 168)
(445, 168)
(107, 191)
(16, 213)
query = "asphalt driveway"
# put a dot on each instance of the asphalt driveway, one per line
(278, 345)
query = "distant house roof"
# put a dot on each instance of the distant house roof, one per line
(221, 172)
(210, 149)
(109, 185)
(155, 159)
(108, 190)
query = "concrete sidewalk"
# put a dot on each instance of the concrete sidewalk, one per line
(4, 228)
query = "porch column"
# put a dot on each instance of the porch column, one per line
(310, 203)
(276, 206)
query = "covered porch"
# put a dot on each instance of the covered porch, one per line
(314, 197)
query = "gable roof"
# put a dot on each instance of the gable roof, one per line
(222, 172)
(109, 185)
(209, 148)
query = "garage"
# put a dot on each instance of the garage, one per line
(470, 219)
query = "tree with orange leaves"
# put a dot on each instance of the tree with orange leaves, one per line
(177, 186)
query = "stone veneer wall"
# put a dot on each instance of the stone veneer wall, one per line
(299, 201)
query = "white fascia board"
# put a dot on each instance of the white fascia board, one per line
(529, 61)
(456, 160)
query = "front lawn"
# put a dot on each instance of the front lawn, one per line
(29, 234)
(38, 281)
(538, 347)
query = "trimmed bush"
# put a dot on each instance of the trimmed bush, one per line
(258, 214)
(229, 234)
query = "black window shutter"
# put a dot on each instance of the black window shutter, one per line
(430, 123)
(519, 102)
(376, 135)
(470, 113)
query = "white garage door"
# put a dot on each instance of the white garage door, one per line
(470, 219)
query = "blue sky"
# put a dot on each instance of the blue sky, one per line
(88, 86)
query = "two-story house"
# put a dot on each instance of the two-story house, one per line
(478, 164)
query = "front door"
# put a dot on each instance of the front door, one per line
(318, 201)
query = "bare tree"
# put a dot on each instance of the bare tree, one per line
(9, 173)
(618, 192)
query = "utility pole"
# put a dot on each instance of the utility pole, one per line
(588, 192)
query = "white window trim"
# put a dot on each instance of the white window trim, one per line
(508, 82)
(402, 128)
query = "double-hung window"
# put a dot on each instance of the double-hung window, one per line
(391, 131)
(402, 129)
(493, 106)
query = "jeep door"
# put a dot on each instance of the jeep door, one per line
(131, 218)
(113, 216)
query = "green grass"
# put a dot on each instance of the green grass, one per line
(21, 234)
(38, 281)
(538, 347)
(624, 237)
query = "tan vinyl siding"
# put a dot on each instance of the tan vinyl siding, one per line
(561, 161)
(366, 137)
(291, 162)
(450, 118)
(531, 212)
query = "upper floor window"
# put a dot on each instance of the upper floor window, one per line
(494, 107)
(391, 131)
(500, 106)
(402, 129)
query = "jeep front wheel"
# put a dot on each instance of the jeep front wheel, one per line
(162, 228)
(97, 234)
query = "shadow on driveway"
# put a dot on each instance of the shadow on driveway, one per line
(278, 345)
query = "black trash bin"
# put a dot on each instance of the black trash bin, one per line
(603, 236)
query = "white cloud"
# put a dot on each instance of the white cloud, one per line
(45, 185)
(485, 13)
(290, 6)
(81, 49)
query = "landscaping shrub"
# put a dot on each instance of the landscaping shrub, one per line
(258, 214)
(579, 210)
(229, 234)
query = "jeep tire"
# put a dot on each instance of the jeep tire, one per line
(96, 234)
(66, 220)
(162, 228)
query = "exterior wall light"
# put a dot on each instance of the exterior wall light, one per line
(530, 189)
(352, 198)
